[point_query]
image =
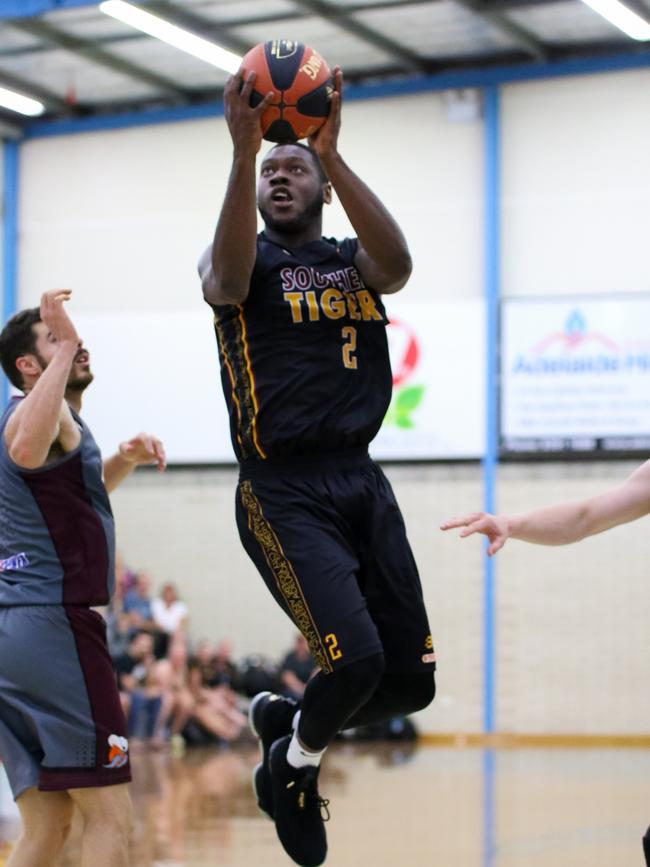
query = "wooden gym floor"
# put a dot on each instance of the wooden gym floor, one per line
(396, 805)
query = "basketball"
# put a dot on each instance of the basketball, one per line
(301, 83)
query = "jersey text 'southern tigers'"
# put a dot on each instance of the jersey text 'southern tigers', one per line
(304, 360)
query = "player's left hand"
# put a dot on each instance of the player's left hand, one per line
(144, 449)
(494, 527)
(325, 140)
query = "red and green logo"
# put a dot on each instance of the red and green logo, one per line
(405, 356)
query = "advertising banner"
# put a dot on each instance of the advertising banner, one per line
(575, 374)
(159, 372)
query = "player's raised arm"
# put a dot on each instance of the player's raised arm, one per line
(564, 523)
(141, 450)
(383, 258)
(225, 269)
(43, 416)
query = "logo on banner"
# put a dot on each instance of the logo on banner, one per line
(575, 334)
(579, 349)
(404, 356)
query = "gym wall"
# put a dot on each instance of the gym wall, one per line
(122, 216)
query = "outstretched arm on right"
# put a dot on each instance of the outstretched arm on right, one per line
(564, 523)
(226, 267)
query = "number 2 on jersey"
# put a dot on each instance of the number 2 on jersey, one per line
(349, 335)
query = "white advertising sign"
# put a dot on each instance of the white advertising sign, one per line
(575, 374)
(159, 372)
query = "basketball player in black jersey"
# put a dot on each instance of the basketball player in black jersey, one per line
(305, 369)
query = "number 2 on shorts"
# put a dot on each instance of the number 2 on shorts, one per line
(333, 646)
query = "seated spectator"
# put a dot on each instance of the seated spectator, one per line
(296, 669)
(216, 702)
(169, 613)
(137, 606)
(174, 677)
(215, 664)
(145, 699)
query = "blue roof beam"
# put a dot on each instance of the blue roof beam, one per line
(30, 8)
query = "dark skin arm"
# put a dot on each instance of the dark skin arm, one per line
(226, 267)
(383, 257)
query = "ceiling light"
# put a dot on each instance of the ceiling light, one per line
(172, 35)
(22, 104)
(622, 17)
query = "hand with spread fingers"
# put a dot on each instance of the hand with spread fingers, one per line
(55, 316)
(244, 122)
(494, 527)
(325, 140)
(144, 449)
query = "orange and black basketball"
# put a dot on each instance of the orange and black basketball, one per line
(301, 83)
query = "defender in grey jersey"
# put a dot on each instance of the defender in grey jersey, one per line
(62, 731)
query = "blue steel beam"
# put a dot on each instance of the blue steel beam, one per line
(382, 90)
(10, 153)
(492, 251)
(30, 8)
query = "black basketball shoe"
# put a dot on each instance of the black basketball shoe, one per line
(300, 812)
(269, 717)
(646, 846)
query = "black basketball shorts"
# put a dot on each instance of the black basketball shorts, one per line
(329, 540)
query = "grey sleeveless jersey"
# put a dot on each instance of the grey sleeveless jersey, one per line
(57, 536)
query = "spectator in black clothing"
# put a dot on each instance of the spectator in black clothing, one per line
(296, 669)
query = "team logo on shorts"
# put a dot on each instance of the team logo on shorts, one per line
(118, 751)
(431, 656)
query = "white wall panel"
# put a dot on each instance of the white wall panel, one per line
(576, 184)
(122, 216)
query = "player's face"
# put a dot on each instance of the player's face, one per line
(290, 193)
(45, 349)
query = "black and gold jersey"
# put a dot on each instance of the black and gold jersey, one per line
(304, 360)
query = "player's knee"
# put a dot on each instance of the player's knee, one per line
(419, 691)
(362, 676)
(108, 808)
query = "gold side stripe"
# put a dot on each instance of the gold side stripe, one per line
(249, 369)
(283, 573)
(231, 375)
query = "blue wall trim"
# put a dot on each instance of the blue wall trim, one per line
(30, 8)
(11, 151)
(445, 81)
(492, 157)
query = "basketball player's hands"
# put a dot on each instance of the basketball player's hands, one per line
(144, 449)
(325, 140)
(494, 527)
(55, 317)
(244, 122)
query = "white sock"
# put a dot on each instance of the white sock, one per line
(295, 721)
(299, 757)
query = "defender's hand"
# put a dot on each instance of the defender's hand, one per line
(244, 122)
(325, 140)
(144, 449)
(54, 315)
(492, 526)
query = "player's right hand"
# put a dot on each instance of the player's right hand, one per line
(54, 315)
(244, 122)
(492, 526)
